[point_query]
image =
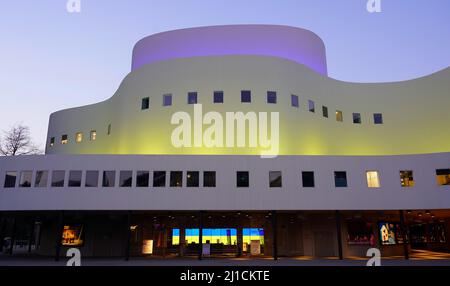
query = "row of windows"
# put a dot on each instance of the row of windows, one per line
(79, 137)
(192, 178)
(246, 97)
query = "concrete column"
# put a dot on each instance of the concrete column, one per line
(404, 229)
(339, 234)
(59, 232)
(2, 231)
(128, 236)
(13, 237)
(182, 241)
(274, 235)
(239, 239)
(31, 233)
(200, 228)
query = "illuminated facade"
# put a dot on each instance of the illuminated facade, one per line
(359, 165)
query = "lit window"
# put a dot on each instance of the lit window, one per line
(159, 178)
(339, 116)
(145, 103)
(372, 179)
(192, 178)
(75, 179)
(357, 118)
(91, 179)
(142, 178)
(52, 141)
(78, 137)
(209, 179)
(64, 139)
(218, 97)
(294, 100)
(271, 97)
(242, 179)
(58, 178)
(176, 178)
(311, 107)
(246, 96)
(192, 97)
(325, 111)
(25, 179)
(308, 179)
(167, 99)
(275, 179)
(125, 179)
(378, 118)
(93, 135)
(41, 179)
(10, 179)
(406, 178)
(443, 177)
(109, 179)
(340, 179)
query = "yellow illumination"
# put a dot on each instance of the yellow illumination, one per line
(93, 135)
(339, 116)
(372, 179)
(78, 137)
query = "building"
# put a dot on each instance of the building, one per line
(359, 165)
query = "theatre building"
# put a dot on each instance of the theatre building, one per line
(160, 169)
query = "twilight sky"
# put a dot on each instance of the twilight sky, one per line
(51, 59)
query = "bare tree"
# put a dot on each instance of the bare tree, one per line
(17, 141)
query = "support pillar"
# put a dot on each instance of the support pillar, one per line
(13, 237)
(239, 240)
(200, 220)
(404, 230)
(128, 236)
(4, 222)
(274, 235)
(182, 241)
(59, 233)
(31, 234)
(339, 234)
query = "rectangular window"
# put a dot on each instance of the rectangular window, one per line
(406, 178)
(294, 100)
(357, 118)
(209, 179)
(145, 104)
(109, 179)
(78, 137)
(167, 99)
(58, 178)
(52, 141)
(218, 97)
(176, 178)
(308, 179)
(25, 179)
(10, 179)
(373, 180)
(192, 178)
(142, 178)
(246, 96)
(64, 139)
(159, 178)
(325, 111)
(75, 179)
(311, 106)
(125, 179)
(275, 180)
(41, 179)
(378, 118)
(242, 179)
(340, 179)
(271, 97)
(91, 179)
(109, 129)
(339, 116)
(192, 97)
(93, 135)
(443, 177)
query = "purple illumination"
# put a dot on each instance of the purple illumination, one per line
(295, 44)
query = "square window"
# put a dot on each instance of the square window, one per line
(93, 135)
(294, 100)
(325, 111)
(10, 179)
(78, 137)
(242, 179)
(91, 179)
(378, 118)
(58, 178)
(109, 179)
(142, 178)
(167, 99)
(75, 178)
(443, 177)
(192, 178)
(339, 116)
(52, 141)
(64, 139)
(373, 180)
(41, 179)
(176, 178)
(308, 179)
(209, 179)
(126, 179)
(218, 97)
(271, 97)
(145, 103)
(246, 96)
(159, 179)
(406, 178)
(25, 179)
(192, 97)
(311, 107)
(357, 118)
(340, 179)
(275, 179)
